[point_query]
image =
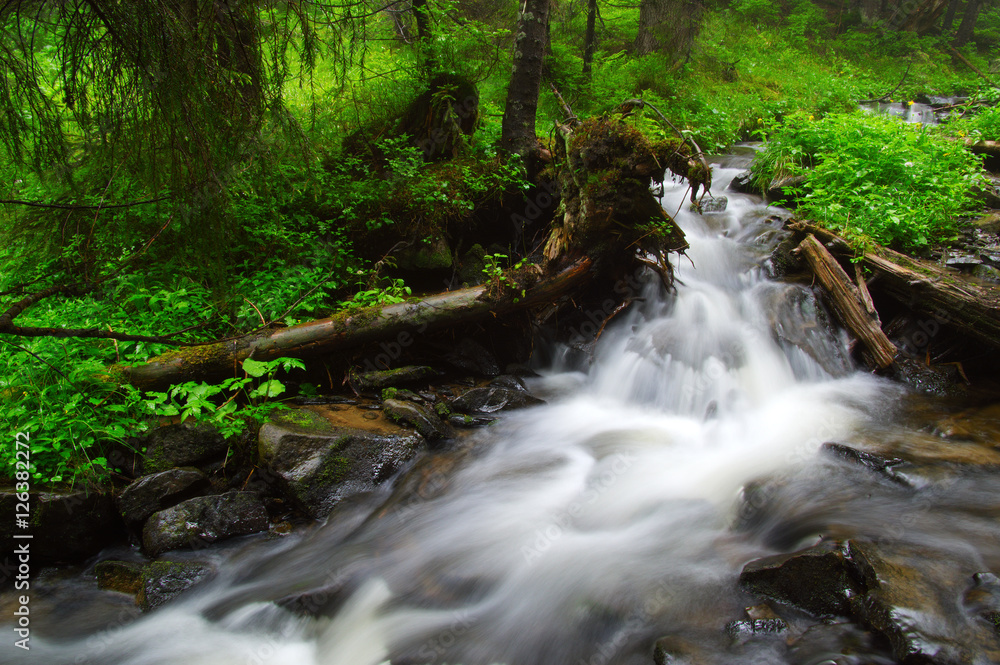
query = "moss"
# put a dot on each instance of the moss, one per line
(442, 409)
(389, 393)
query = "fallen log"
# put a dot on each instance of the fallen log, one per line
(351, 329)
(846, 302)
(939, 292)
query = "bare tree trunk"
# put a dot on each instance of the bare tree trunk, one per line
(968, 24)
(531, 37)
(590, 41)
(949, 16)
(669, 26)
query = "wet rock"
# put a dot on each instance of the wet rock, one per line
(744, 630)
(490, 399)
(878, 464)
(121, 576)
(912, 599)
(675, 650)
(986, 273)
(65, 526)
(711, 204)
(183, 444)
(464, 420)
(510, 381)
(836, 644)
(323, 601)
(429, 477)
(816, 580)
(743, 183)
(157, 491)
(939, 380)
(989, 223)
(203, 520)
(369, 381)
(163, 581)
(319, 464)
(798, 319)
(424, 420)
(783, 261)
(471, 356)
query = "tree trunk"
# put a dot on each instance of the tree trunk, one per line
(949, 16)
(968, 24)
(669, 26)
(590, 40)
(518, 127)
(352, 329)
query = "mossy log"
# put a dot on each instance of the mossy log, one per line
(352, 329)
(604, 169)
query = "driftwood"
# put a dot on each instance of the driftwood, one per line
(352, 329)
(847, 302)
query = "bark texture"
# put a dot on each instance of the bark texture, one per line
(668, 26)
(530, 39)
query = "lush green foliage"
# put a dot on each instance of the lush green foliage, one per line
(874, 177)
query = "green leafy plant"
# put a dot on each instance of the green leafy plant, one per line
(873, 177)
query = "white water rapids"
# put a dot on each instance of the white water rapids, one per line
(575, 533)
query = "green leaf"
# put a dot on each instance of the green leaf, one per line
(255, 368)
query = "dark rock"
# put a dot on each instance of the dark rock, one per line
(200, 521)
(323, 601)
(183, 444)
(912, 599)
(163, 581)
(157, 491)
(490, 399)
(432, 255)
(401, 393)
(463, 420)
(989, 223)
(879, 464)
(744, 184)
(983, 599)
(780, 189)
(510, 381)
(940, 380)
(816, 580)
(122, 576)
(986, 274)
(368, 381)
(674, 650)
(471, 356)
(424, 420)
(711, 204)
(783, 261)
(827, 644)
(320, 464)
(65, 526)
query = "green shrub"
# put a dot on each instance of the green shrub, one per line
(874, 177)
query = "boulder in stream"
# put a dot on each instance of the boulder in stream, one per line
(163, 581)
(183, 444)
(319, 462)
(490, 399)
(157, 491)
(203, 520)
(816, 580)
(424, 420)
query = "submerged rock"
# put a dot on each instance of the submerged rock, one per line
(879, 464)
(157, 491)
(913, 599)
(203, 520)
(183, 444)
(319, 463)
(817, 580)
(121, 576)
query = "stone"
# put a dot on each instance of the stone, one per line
(743, 183)
(183, 444)
(318, 463)
(471, 356)
(510, 381)
(163, 581)
(490, 399)
(121, 576)
(369, 381)
(816, 580)
(464, 420)
(744, 630)
(912, 597)
(878, 464)
(198, 522)
(157, 491)
(424, 420)
(711, 204)
(65, 526)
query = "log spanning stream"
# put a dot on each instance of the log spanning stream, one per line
(622, 512)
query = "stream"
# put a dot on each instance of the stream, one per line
(621, 512)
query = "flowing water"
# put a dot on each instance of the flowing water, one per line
(581, 531)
